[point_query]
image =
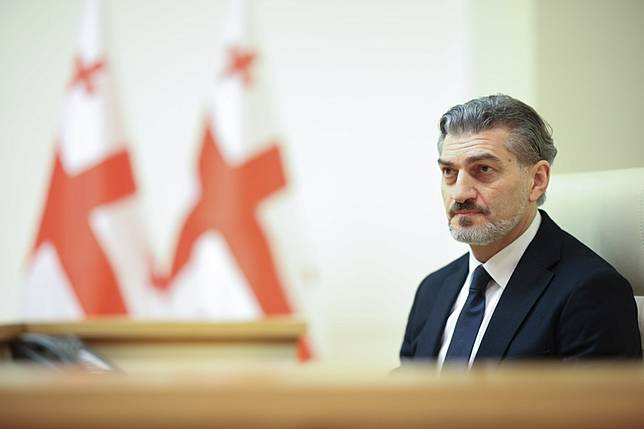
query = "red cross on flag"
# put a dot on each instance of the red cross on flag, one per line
(88, 219)
(226, 263)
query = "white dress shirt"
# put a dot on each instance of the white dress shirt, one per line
(500, 267)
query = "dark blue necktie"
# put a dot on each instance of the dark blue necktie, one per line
(469, 321)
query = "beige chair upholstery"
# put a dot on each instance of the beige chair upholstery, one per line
(605, 210)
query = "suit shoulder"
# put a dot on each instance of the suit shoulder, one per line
(572, 258)
(580, 261)
(439, 275)
(577, 253)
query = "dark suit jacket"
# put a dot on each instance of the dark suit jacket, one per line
(563, 301)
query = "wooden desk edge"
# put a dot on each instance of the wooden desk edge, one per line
(278, 329)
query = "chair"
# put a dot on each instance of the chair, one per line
(605, 210)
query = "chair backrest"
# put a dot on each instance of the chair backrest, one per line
(605, 210)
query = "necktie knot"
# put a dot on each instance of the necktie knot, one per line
(480, 279)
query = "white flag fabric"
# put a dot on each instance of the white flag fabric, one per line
(89, 215)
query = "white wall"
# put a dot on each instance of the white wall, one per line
(590, 67)
(359, 86)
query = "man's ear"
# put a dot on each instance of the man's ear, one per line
(540, 173)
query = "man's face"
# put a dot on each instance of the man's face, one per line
(485, 189)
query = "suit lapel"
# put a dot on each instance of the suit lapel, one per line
(531, 277)
(431, 334)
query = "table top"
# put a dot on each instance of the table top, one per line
(524, 396)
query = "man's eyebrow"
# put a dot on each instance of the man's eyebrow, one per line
(471, 159)
(482, 157)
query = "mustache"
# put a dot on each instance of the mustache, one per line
(467, 205)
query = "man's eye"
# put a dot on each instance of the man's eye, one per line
(485, 169)
(448, 172)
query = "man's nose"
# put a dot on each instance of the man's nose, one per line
(463, 189)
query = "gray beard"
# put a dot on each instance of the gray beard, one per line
(484, 234)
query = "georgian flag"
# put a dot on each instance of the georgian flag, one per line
(226, 263)
(84, 258)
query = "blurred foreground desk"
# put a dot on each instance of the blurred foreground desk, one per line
(268, 397)
(143, 345)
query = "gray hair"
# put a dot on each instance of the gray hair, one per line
(530, 136)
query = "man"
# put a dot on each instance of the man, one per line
(527, 289)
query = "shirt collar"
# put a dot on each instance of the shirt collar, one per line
(502, 265)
